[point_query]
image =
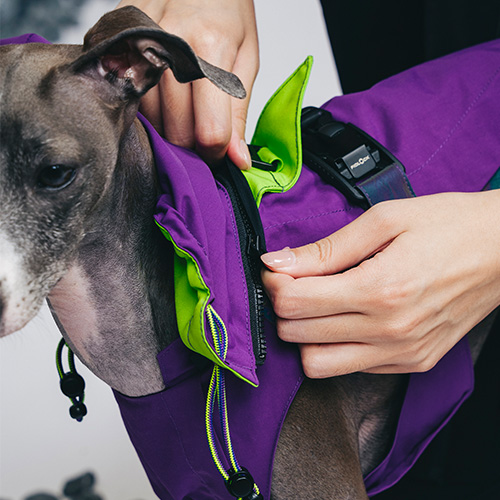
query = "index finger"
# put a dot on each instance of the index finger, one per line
(212, 120)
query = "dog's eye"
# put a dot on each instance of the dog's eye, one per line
(56, 177)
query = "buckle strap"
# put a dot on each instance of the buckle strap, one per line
(352, 161)
(389, 184)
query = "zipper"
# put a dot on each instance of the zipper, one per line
(252, 246)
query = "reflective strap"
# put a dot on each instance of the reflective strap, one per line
(388, 184)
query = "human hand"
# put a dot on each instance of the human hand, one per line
(393, 291)
(200, 116)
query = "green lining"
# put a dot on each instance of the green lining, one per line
(278, 133)
(191, 301)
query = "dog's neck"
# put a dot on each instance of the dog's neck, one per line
(115, 305)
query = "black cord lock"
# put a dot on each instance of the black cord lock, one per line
(71, 383)
(240, 484)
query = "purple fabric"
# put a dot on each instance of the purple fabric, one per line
(439, 119)
(439, 157)
(199, 218)
(168, 429)
(28, 38)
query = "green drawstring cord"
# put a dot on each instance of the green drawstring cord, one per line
(217, 389)
(71, 359)
(71, 383)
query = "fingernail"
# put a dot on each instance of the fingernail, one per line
(245, 154)
(278, 260)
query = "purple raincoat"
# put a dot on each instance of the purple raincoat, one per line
(441, 120)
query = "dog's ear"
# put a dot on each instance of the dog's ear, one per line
(128, 47)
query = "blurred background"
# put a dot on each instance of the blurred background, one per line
(41, 447)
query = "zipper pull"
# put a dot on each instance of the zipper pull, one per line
(254, 246)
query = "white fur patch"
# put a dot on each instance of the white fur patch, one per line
(19, 303)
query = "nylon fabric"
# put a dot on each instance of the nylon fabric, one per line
(278, 133)
(458, 109)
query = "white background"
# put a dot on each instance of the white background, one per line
(40, 445)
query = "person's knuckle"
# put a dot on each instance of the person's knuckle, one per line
(388, 332)
(284, 303)
(240, 115)
(213, 136)
(208, 40)
(211, 47)
(317, 365)
(380, 297)
(423, 364)
(310, 363)
(394, 296)
(181, 138)
(404, 327)
(286, 330)
(383, 215)
(214, 47)
(395, 330)
(422, 355)
(428, 364)
(324, 249)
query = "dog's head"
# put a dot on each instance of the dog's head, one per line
(63, 111)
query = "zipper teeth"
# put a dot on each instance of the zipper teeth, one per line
(252, 274)
(261, 339)
(258, 294)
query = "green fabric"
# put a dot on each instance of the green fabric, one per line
(191, 298)
(278, 132)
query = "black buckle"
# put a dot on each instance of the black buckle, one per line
(342, 154)
(258, 163)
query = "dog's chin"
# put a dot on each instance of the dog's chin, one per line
(15, 321)
(10, 328)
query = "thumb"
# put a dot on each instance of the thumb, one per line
(343, 249)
